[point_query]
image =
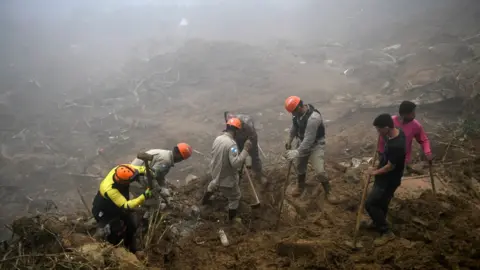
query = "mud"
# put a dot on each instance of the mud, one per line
(432, 233)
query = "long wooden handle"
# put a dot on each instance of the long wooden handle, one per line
(360, 210)
(364, 196)
(149, 175)
(285, 185)
(430, 168)
(257, 201)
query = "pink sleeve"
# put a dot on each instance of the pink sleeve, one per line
(422, 139)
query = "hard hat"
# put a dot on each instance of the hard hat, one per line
(291, 103)
(185, 150)
(234, 122)
(125, 173)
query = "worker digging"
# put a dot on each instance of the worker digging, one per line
(388, 176)
(308, 127)
(112, 206)
(412, 129)
(226, 162)
(161, 163)
(248, 131)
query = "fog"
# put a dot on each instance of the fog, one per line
(58, 53)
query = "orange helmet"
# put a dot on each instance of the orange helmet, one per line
(125, 174)
(185, 150)
(291, 103)
(234, 122)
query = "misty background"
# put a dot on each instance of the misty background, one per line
(58, 53)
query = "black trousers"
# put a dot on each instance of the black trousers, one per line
(122, 227)
(377, 204)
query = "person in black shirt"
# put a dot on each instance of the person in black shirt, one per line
(388, 177)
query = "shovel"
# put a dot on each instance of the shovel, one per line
(430, 169)
(257, 201)
(354, 244)
(287, 181)
(146, 158)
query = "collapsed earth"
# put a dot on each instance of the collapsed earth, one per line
(181, 135)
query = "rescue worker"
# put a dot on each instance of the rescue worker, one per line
(308, 127)
(388, 176)
(412, 129)
(226, 161)
(112, 206)
(248, 131)
(163, 160)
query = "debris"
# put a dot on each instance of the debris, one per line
(393, 47)
(125, 259)
(223, 237)
(93, 253)
(190, 178)
(348, 71)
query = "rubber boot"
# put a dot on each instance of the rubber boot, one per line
(300, 185)
(206, 197)
(328, 196)
(326, 188)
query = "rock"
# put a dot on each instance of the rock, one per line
(125, 259)
(303, 248)
(393, 47)
(352, 175)
(190, 178)
(165, 192)
(93, 253)
(72, 240)
(356, 162)
(194, 211)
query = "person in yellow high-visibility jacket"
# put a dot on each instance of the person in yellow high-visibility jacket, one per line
(112, 203)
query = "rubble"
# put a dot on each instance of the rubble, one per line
(79, 137)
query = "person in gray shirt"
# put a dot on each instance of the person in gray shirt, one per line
(248, 131)
(227, 159)
(308, 127)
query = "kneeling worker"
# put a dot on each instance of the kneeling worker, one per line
(112, 205)
(226, 161)
(163, 160)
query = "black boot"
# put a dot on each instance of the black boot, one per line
(300, 185)
(326, 187)
(206, 197)
(328, 196)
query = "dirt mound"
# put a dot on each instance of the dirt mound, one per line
(432, 233)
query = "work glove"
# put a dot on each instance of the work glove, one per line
(248, 145)
(147, 193)
(291, 154)
(248, 162)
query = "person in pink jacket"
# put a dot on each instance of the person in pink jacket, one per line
(412, 129)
